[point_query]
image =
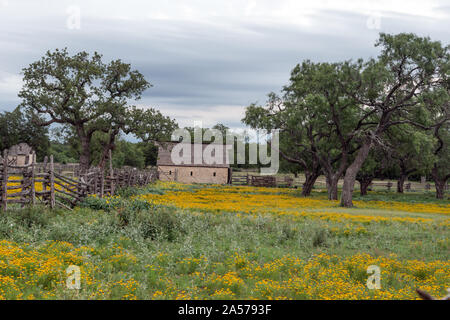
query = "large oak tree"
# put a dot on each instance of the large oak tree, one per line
(80, 91)
(389, 90)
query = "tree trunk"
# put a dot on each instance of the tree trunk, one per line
(439, 182)
(440, 189)
(108, 146)
(332, 187)
(333, 175)
(364, 185)
(401, 182)
(309, 183)
(85, 152)
(351, 172)
(85, 155)
(103, 158)
(105, 154)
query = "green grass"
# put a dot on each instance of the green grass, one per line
(409, 197)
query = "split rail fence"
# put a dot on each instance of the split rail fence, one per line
(261, 181)
(41, 183)
(287, 181)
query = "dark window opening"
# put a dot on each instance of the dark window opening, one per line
(192, 173)
(214, 174)
(170, 172)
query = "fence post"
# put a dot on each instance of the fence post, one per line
(5, 181)
(129, 178)
(147, 177)
(95, 179)
(102, 183)
(389, 185)
(111, 173)
(33, 188)
(52, 183)
(44, 170)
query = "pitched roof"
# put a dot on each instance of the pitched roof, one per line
(196, 159)
(20, 149)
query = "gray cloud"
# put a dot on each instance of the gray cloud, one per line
(206, 62)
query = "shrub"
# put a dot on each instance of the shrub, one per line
(129, 192)
(95, 203)
(158, 223)
(115, 202)
(31, 216)
(320, 238)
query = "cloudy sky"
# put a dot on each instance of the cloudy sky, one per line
(207, 59)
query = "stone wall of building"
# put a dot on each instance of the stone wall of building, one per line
(193, 174)
(21, 160)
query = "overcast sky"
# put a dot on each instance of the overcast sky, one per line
(207, 59)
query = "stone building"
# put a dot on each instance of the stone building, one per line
(20, 155)
(194, 168)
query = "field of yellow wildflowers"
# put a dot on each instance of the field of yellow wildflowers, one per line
(174, 241)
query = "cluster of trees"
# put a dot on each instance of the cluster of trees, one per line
(126, 153)
(88, 103)
(16, 127)
(361, 119)
(384, 117)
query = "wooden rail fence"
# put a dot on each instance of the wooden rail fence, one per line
(240, 180)
(287, 181)
(257, 181)
(31, 184)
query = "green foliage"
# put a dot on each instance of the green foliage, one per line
(320, 238)
(150, 152)
(112, 203)
(150, 125)
(62, 153)
(128, 154)
(82, 93)
(427, 197)
(97, 203)
(31, 217)
(128, 192)
(17, 127)
(410, 149)
(161, 224)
